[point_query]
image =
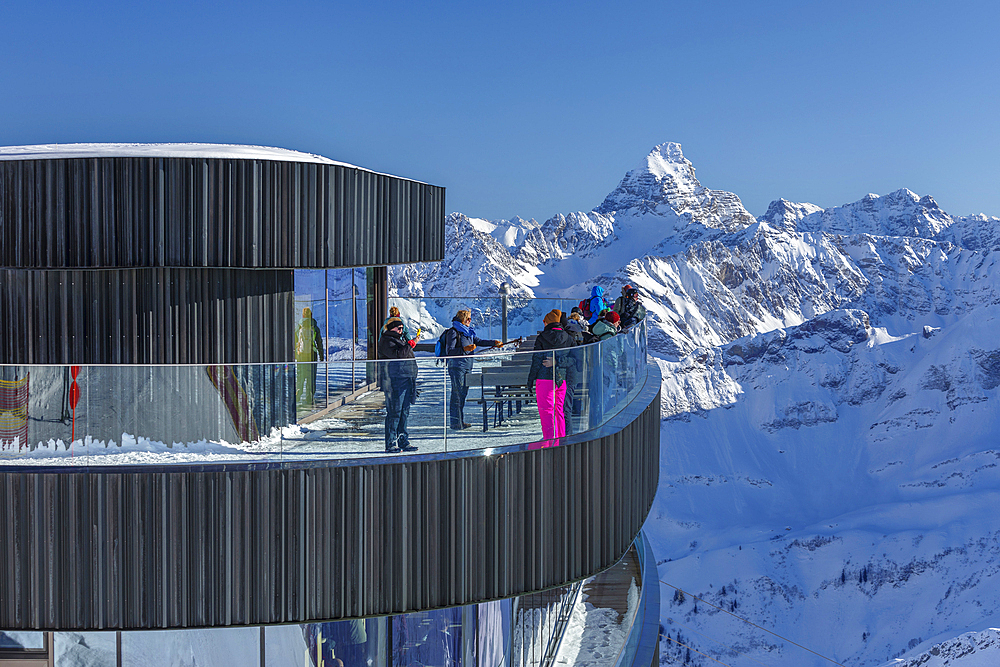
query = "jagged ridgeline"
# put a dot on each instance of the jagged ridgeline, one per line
(831, 378)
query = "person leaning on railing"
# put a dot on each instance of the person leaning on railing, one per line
(398, 379)
(460, 343)
(548, 374)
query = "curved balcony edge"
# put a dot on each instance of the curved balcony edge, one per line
(95, 550)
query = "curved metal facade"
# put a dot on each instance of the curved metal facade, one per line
(166, 260)
(146, 316)
(134, 212)
(231, 545)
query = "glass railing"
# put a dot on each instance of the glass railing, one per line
(523, 314)
(164, 415)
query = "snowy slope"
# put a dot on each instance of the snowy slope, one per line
(830, 460)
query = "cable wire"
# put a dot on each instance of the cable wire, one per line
(804, 648)
(726, 646)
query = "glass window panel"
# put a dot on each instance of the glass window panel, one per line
(285, 646)
(11, 639)
(355, 642)
(206, 648)
(92, 649)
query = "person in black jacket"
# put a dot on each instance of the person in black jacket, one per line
(631, 309)
(398, 379)
(548, 375)
(460, 343)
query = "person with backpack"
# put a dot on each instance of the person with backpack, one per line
(397, 378)
(607, 325)
(308, 350)
(630, 308)
(548, 375)
(459, 343)
(593, 307)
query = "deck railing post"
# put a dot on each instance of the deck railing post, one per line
(504, 291)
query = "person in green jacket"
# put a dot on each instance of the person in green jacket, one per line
(607, 325)
(308, 351)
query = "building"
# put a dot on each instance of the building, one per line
(148, 300)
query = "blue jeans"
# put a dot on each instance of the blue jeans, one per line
(459, 390)
(397, 410)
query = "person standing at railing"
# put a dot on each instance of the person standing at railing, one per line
(460, 343)
(602, 364)
(407, 338)
(308, 351)
(574, 325)
(630, 308)
(397, 377)
(573, 369)
(596, 305)
(607, 326)
(548, 373)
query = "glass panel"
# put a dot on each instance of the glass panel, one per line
(93, 649)
(493, 640)
(245, 412)
(353, 642)
(11, 639)
(536, 628)
(428, 638)
(285, 646)
(221, 646)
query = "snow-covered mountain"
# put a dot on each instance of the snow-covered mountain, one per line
(831, 457)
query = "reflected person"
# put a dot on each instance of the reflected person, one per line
(308, 350)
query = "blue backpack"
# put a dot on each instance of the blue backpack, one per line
(440, 349)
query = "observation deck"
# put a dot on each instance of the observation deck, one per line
(160, 465)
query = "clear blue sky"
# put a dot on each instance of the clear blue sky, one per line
(533, 109)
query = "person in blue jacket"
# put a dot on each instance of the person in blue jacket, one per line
(460, 343)
(597, 304)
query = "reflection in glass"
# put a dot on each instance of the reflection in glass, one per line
(93, 649)
(352, 643)
(12, 639)
(233, 412)
(168, 648)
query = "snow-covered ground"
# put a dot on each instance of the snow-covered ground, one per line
(833, 477)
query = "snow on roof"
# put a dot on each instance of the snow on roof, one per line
(215, 151)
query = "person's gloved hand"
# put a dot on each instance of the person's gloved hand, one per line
(497, 343)
(469, 348)
(412, 343)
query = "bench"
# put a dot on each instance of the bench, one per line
(503, 386)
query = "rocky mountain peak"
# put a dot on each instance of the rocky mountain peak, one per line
(899, 213)
(784, 214)
(664, 184)
(664, 174)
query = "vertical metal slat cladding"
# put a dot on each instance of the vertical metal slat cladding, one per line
(180, 316)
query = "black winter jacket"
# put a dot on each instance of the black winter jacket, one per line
(554, 337)
(394, 373)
